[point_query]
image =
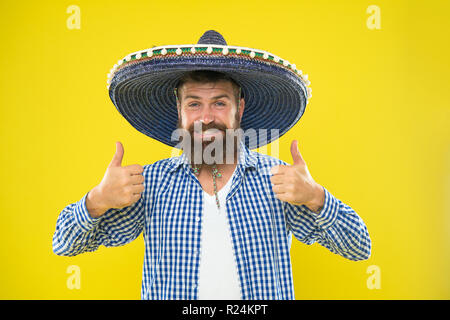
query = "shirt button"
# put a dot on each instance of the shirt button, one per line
(197, 219)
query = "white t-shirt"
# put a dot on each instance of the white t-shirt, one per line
(218, 278)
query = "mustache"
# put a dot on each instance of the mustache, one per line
(204, 127)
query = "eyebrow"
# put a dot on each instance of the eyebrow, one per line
(216, 97)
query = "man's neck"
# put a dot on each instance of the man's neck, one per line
(205, 176)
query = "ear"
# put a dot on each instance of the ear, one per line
(241, 108)
(179, 114)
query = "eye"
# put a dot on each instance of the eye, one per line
(193, 105)
(220, 103)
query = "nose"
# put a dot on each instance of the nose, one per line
(207, 116)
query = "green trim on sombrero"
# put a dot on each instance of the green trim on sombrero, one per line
(186, 50)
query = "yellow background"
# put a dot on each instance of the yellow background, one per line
(376, 133)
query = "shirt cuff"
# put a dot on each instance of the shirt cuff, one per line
(82, 217)
(327, 216)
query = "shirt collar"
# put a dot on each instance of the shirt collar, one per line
(247, 159)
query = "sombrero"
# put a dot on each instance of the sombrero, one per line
(141, 86)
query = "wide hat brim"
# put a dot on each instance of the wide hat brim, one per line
(141, 86)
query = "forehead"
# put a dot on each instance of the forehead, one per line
(208, 88)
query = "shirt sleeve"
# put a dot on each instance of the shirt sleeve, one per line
(77, 232)
(337, 227)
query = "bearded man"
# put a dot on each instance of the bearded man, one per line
(217, 220)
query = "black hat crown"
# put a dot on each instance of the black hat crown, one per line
(212, 37)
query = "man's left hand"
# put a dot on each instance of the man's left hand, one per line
(294, 184)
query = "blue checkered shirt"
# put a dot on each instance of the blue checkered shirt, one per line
(169, 213)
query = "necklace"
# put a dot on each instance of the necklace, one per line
(215, 174)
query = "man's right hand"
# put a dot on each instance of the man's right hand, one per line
(120, 187)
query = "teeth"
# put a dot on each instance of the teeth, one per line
(211, 131)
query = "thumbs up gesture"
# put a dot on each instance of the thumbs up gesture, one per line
(119, 188)
(294, 184)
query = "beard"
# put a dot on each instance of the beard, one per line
(222, 147)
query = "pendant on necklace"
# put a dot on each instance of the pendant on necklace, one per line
(215, 174)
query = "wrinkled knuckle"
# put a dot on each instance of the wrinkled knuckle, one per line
(126, 191)
(128, 179)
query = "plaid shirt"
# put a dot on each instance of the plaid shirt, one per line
(169, 213)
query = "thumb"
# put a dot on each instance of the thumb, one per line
(118, 156)
(296, 156)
